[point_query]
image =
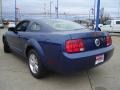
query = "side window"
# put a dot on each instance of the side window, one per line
(35, 27)
(108, 23)
(117, 22)
(22, 26)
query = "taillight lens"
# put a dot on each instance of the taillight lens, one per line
(73, 46)
(108, 40)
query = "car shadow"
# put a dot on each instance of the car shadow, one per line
(21, 58)
(73, 80)
(53, 76)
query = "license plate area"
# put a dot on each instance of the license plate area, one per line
(99, 59)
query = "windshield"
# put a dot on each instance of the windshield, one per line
(64, 25)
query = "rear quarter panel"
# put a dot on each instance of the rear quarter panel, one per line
(48, 45)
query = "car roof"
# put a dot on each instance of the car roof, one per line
(40, 20)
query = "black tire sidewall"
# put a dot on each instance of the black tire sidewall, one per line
(6, 47)
(41, 70)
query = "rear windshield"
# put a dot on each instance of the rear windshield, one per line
(64, 25)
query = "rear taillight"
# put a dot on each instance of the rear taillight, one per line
(74, 46)
(108, 40)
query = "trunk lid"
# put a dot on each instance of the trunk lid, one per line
(92, 39)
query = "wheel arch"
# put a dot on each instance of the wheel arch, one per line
(28, 48)
(33, 44)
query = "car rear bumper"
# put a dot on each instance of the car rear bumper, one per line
(69, 63)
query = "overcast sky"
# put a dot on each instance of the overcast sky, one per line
(67, 6)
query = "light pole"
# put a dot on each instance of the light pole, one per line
(119, 9)
(98, 15)
(1, 9)
(94, 9)
(44, 9)
(89, 14)
(57, 9)
(50, 8)
(15, 13)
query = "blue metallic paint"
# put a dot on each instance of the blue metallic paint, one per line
(50, 47)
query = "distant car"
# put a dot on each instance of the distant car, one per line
(111, 26)
(1, 24)
(58, 45)
(11, 24)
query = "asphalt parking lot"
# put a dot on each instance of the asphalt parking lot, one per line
(14, 74)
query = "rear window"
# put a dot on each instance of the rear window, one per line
(117, 22)
(108, 23)
(64, 25)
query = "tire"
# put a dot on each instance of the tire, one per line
(36, 67)
(6, 47)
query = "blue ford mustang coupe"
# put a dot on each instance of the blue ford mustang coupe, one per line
(58, 45)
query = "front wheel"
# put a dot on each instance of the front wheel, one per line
(6, 47)
(36, 67)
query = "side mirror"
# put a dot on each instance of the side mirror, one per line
(11, 29)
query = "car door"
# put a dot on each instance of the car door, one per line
(21, 35)
(107, 26)
(18, 38)
(116, 26)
